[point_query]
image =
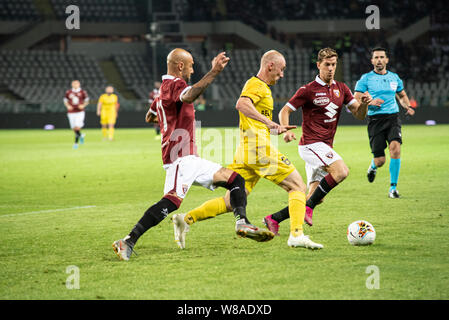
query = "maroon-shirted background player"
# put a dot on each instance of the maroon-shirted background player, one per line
(174, 111)
(322, 101)
(75, 100)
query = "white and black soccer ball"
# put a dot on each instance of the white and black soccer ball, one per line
(361, 233)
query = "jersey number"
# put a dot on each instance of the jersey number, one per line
(285, 160)
(162, 114)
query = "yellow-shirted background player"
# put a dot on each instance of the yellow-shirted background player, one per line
(107, 110)
(257, 158)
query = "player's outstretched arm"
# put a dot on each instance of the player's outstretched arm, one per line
(246, 106)
(284, 120)
(359, 109)
(218, 64)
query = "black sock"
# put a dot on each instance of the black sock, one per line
(281, 215)
(326, 185)
(155, 214)
(236, 186)
(77, 135)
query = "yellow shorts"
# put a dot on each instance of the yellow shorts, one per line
(274, 167)
(108, 116)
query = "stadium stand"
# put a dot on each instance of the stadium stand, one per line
(37, 76)
(18, 10)
(101, 10)
(136, 72)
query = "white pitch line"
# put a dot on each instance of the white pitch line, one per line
(44, 211)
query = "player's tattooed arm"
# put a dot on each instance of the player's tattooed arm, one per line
(218, 64)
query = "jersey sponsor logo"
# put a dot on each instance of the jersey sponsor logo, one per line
(317, 94)
(393, 85)
(337, 93)
(321, 101)
(331, 111)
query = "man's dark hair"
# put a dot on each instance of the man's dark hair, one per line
(379, 49)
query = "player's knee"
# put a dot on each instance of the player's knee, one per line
(341, 174)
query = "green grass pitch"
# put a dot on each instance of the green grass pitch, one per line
(61, 207)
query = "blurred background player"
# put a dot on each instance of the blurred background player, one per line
(256, 157)
(107, 110)
(175, 114)
(322, 101)
(384, 124)
(75, 100)
(153, 95)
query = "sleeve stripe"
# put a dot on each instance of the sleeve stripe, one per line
(153, 112)
(183, 92)
(248, 98)
(351, 102)
(291, 106)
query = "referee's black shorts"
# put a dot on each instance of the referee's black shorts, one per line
(383, 128)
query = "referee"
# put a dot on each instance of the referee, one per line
(384, 125)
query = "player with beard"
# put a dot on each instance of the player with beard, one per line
(322, 101)
(174, 111)
(257, 158)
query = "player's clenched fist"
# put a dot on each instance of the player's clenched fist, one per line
(220, 62)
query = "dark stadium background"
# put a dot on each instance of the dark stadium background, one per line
(124, 43)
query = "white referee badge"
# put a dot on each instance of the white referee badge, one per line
(393, 85)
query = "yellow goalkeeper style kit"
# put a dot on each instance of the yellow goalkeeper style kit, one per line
(108, 108)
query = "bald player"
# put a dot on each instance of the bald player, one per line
(256, 157)
(174, 111)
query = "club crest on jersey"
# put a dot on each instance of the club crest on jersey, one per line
(322, 101)
(337, 93)
(185, 188)
(330, 155)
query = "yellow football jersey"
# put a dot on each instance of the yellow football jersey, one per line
(260, 94)
(108, 102)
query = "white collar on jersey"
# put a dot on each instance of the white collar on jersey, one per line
(167, 76)
(76, 90)
(318, 79)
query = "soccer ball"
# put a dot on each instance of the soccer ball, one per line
(361, 233)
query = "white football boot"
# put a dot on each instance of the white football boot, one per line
(303, 241)
(180, 228)
(123, 249)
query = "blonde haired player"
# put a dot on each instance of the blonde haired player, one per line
(256, 157)
(322, 102)
(107, 109)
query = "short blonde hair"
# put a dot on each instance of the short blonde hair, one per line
(326, 53)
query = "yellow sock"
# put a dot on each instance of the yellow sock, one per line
(111, 133)
(208, 209)
(105, 132)
(297, 211)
